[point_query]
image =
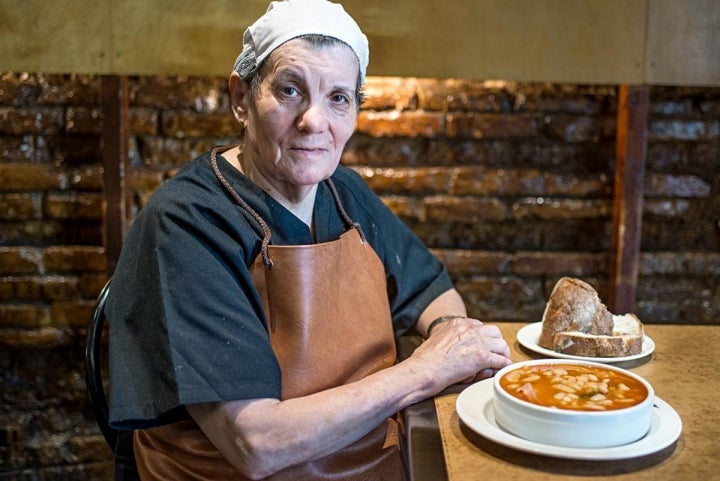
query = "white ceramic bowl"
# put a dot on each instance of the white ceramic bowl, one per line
(569, 428)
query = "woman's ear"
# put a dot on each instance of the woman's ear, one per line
(239, 92)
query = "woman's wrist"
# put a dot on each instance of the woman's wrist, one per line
(439, 320)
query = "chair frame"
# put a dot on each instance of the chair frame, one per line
(93, 369)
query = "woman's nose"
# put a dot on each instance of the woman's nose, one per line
(313, 118)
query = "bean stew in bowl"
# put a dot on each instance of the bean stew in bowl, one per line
(572, 403)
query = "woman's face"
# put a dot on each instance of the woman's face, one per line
(304, 112)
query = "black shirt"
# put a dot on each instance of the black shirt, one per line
(186, 322)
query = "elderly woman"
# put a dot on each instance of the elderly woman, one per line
(256, 304)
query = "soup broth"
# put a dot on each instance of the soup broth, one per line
(575, 387)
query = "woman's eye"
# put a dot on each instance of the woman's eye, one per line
(290, 91)
(340, 99)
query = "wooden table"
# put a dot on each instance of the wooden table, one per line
(684, 371)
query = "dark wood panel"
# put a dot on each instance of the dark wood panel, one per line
(628, 196)
(116, 171)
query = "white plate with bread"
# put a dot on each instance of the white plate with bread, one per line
(528, 337)
(577, 325)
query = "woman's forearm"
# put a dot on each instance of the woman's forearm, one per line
(260, 437)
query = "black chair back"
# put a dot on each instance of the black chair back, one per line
(120, 442)
(93, 368)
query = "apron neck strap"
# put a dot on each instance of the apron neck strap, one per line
(233, 193)
(266, 230)
(348, 221)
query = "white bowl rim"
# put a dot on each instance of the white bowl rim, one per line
(507, 397)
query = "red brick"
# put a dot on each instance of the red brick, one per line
(87, 178)
(36, 338)
(498, 182)
(77, 149)
(22, 86)
(183, 124)
(29, 177)
(490, 126)
(406, 181)
(574, 185)
(572, 99)
(690, 264)
(68, 259)
(683, 130)
(665, 185)
(703, 264)
(668, 208)
(198, 93)
(146, 179)
(26, 288)
(662, 232)
(363, 150)
(465, 95)
(91, 449)
(74, 314)
(69, 89)
(473, 262)
(400, 124)
(144, 121)
(90, 285)
(576, 264)
(9, 84)
(167, 153)
(59, 288)
(404, 207)
(20, 260)
(19, 206)
(710, 107)
(385, 93)
(74, 206)
(496, 299)
(579, 129)
(463, 209)
(660, 263)
(705, 157)
(25, 316)
(560, 209)
(18, 121)
(83, 120)
(18, 149)
(669, 108)
(687, 300)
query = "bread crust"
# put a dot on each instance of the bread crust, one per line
(576, 322)
(586, 345)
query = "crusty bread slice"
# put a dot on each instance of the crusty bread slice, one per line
(573, 306)
(576, 322)
(626, 340)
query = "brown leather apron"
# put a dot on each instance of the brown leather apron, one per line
(329, 324)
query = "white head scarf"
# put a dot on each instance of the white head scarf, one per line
(288, 19)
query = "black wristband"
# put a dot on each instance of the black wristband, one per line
(440, 320)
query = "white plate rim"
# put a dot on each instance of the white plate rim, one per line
(528, 336)
(475, 408)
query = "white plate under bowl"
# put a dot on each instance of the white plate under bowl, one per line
(528, 337)
(475, 408)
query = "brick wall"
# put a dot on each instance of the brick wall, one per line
(511, 184)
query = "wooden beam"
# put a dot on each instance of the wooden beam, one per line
(116, 171)
(631, 149)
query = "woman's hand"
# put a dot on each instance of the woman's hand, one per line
(462, 350)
